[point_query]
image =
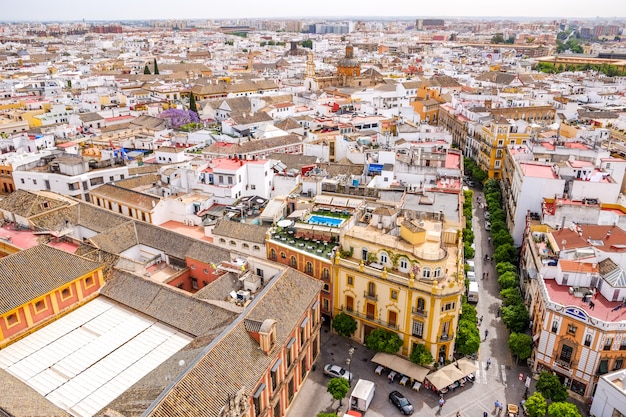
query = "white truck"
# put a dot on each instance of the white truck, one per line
(472, 292)
(362, 395)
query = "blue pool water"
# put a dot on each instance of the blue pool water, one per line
(325, 221)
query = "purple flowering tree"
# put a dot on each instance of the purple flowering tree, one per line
(177, 117)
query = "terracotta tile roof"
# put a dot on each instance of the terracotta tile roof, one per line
(235, 360)
(575, 266)
(27, 204)
(149, 122)
(34, 272)
(243, 231)
(136, 199)
(117, 239)
(255, 145)
(140, 181)
(18, 399)
(293, 160)
(288, 124)
(207, 253)
(166, 304)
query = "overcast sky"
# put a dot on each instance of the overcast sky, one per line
(45, 10)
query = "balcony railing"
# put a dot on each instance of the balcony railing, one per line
(419, 312)
(446, 337)
(370, 296)
(371, 318)
(563, 364)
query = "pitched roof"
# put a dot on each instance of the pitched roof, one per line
(149, 122)
(34, 272)
(144, 201)
(235, 360)
(27, 204)
(90, 117)
(243, 231)
(254, 145)
(18, 399)
(166, 304)
(288, 124)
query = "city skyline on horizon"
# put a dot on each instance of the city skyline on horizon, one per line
(118, 10)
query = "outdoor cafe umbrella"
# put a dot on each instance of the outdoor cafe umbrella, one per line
(439, 380)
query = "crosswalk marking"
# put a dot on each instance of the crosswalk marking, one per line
(495, 372)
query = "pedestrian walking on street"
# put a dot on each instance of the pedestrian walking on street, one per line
(485, 414)
(487, 275)
(486, 333)
(481, 319)
(458, 413)
(484, 275)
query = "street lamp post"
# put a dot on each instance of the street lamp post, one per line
(349, 363)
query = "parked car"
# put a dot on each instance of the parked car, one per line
(401, 402)
(487, 215)
(487, 226)
(337, 371)
(471, 265)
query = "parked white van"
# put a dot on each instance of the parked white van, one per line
(472, 293)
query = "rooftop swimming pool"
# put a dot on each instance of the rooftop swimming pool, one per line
(325, 221)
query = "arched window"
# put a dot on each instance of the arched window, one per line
(426, 272)
(222, 240)
(245, 246)
(294, 262)
(309, 267)
(403, 264)
(256, 247)
(325, 273)
(383, 257)
(421, 304)
(273, 254)
(282, 255)
(437, 273)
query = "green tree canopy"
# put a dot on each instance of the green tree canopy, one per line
(146, 70)
(192, 103)
(344, 325)
(497, 38)
(500, 236)
(520, 344)
(338, 388)
(536, 405)
(307, 43)
(510, 296)
(508, 280)
(563, 409)
(468, 337)
(503, 267)
(516, 317)
(382, 340)
(326, 415)
(421, 356)
(551, 387)
(156, 67)
(505, 253)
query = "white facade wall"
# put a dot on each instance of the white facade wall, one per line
(529, 195)
(66, 185)
(610, 398)
(606, 192)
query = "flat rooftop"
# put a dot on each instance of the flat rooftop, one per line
(537, 170)
(604, 310)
